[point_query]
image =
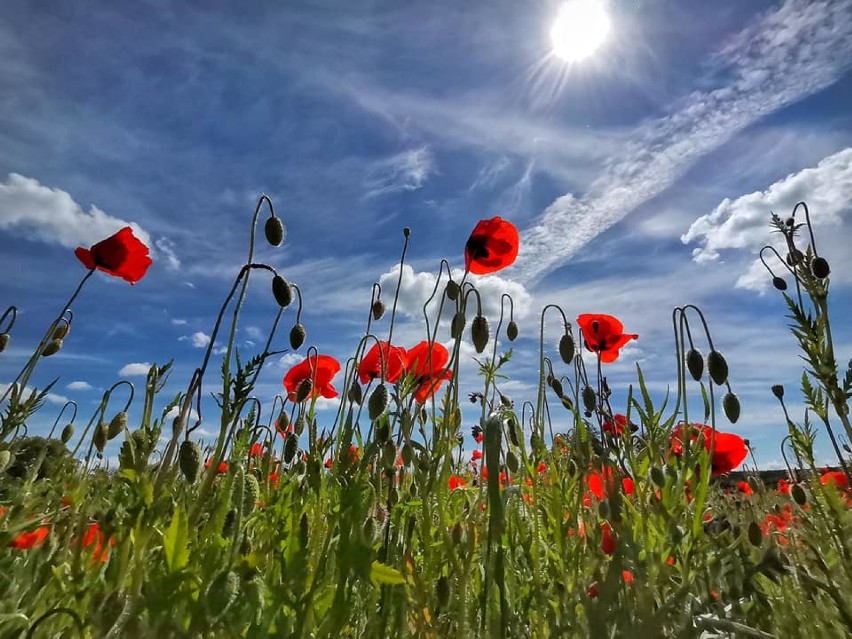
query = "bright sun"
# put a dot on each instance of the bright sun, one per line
(579, 29)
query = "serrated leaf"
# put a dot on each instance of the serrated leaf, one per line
(176, 540)
(382, 574)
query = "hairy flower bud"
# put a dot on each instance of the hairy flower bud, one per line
(378, 309)
(251, 492)
(778, 391)
(274, 230)
(566, 348)
(303, 390)
(779, 283)
(297, 336)
(355, 395)
(452, 290)
(99, 439)
(731, 406)
(589, 398)
(717, 367)
(799, 495)
(695, 363)
(222, 592)
(379, 400)
(61, 330)
(189, 460)
(4, 341)
(512, 331)
(53, 347)
(479, 333)
(281, 291)
(556, 385)
(457, 324)
(755, 535)
(67, 433)
(117, 425)
(291, 447)
(819, 267)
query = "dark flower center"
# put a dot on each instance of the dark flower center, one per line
(476, 247)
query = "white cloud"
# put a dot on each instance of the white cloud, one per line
(785, 55)
(199, 339)
(178, 322)
(743, 223)
(52, 398)
(166, 248)
(135, 369)
(175, 411)
(290, 359)
(79, 386)
(406, 171)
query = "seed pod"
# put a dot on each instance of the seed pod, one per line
(778, 391)
(378, 309)
(452, 290)
(779, 283)
(99, 439)
(67, 433)
(717, 367)
(731, 406)
(117, 425)
(695, 363)
(291, 446)
(799, 495)
(512, 331)
(303, 390)
(457, 325)
(222, 592)
(556, 385)
(378, 404)
(658, 476)
(512, 461)
(755, 535)
(251, 492)
(189, 458)
(566, 348)
(479, 332)
(281, 291)
(795, 257)
(297, 336)
(4, 341)
(5, 458)
(274, 230)
(442, 591)
(819, 267)
(52, 348)
(589, 398)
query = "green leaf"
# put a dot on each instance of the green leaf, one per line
(175, 541)
(381, 574)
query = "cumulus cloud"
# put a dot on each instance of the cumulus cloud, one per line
(135, 369)
(406, 171)
(290, 359)
(199, 339)
(742, 223)
(178, 322)
(79, 386)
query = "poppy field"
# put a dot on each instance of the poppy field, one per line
(416, 509)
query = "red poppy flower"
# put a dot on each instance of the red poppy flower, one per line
(837, 477)
(223, 466)
(542, 467)
(257, 450)
(456, 482)
(391, 358)
(320, 369)
(477, 454)
(30, 539)
(784, 487)
(121, 255)
(593, 590)
(601, 483)
(608, 539)
(425, 363)
(616, 426)
(745, 488)
(493, 245)
(729, 451)
(627, 576)
(604, 334)
(95, 537)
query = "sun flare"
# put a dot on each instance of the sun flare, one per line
(579, 29)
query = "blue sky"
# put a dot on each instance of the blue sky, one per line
(641, 179)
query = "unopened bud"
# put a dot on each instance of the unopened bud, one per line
(379, 401)
(695, 363)
(303, 390)
(778, 391)
(566, 348)
(819, 267)
(479, 332)
(799, 495)
(99, 439)
(779, 283)
(378, 309)
(512, 331)
(274, 230)
(512, 462)
(731, 406)
(717, 367)
(452, 290)
(297, 336)
(795, 257)
(755, 535)
(457, 324)
(67, 433)
(556, 385)
(4, 341)
(291, 447)
(189, 460)
(5, 458)
(355, 395)
(53, 347)
(61, 330)
(589, 398)
(281, 291)
(117, 425)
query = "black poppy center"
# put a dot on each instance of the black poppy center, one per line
(477, 248)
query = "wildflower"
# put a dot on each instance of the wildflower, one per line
(615, 426)
(223, 466)
(627, 576)
(319, 369)
(476, 455)
(30, 539)
(593, 590)
(601, 483)
(456, 482)
(837, 478)
(121, 255)
(745, 488)
(608, 539)
(729, 450)
(425, 363)
(604, 334)
(257, 450)
(382, 355)
(542, 467)
(784, 487)
(96, 538)
(492, 246)
(477, 434)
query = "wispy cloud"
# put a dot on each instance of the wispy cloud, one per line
(135, 369)
(199, 339)
(406, 171)
(785, 55)
(79, 386)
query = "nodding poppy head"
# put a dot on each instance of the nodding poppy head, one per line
(382, 356)
(319, 369)
(456, 481)
(616, 425)
(121, 255)
(604, 334)
(729, 450)
(425, 364)
(837, 478)
(493, 245)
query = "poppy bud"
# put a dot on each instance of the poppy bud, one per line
(452, 290)
(5, 458)
(53, 347)
(229, 523)
(778, 391)
(819, 267)
(603, 509)
(378, 309)
(442, 591)
(389, 455)
(799, 495)
(281, 291)
(589, 398)
(755, 535)
(291, 447)
(754, 484)
(297, 336)
(566, 348)
(779, 283)
(274, 230)
(117, 425)
(4, 341)
(222, 592)
(251, 491)
(512, 331)
(378, 403)
(717, 367)
(512, 461)
(513, 432)
(566, 402)
(189, 460)
(303, 390)
(695, 363)
(790, 221)
(795, 257)
(67, 433)
(61, 330)
(457, 325)
(407, 454)
(658, 476)
(731, 406)
(556, 385)
(355, 394)
(479, 332)
(99, 439)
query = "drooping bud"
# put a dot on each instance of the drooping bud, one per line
(452, 290)
(189, 460)
(61, 330)
(355, 395)
(795, 257)
(566, 348)
(457, 325)
(717, 367)
(251, 491)
(442, 591)
(512, 331)
(799, 495)
(556, 385)
(52, 348)
(479, 332)
(99, 439)
(389, 455)
(589, 399)
(658, 476)
(282, 291)
(819, 267)
(117, 425)
(297, 336)
(222, 592)
(5, 458)
(274, 230)
(378, 309)
(4, 341)
(379, 400)
(755, 535)
(67, 433)
(229, 524)
(779, 283)
(695, 363)
(778, 391)
(291, 446)
(303, 390)
(731, 406)
(512, 461)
